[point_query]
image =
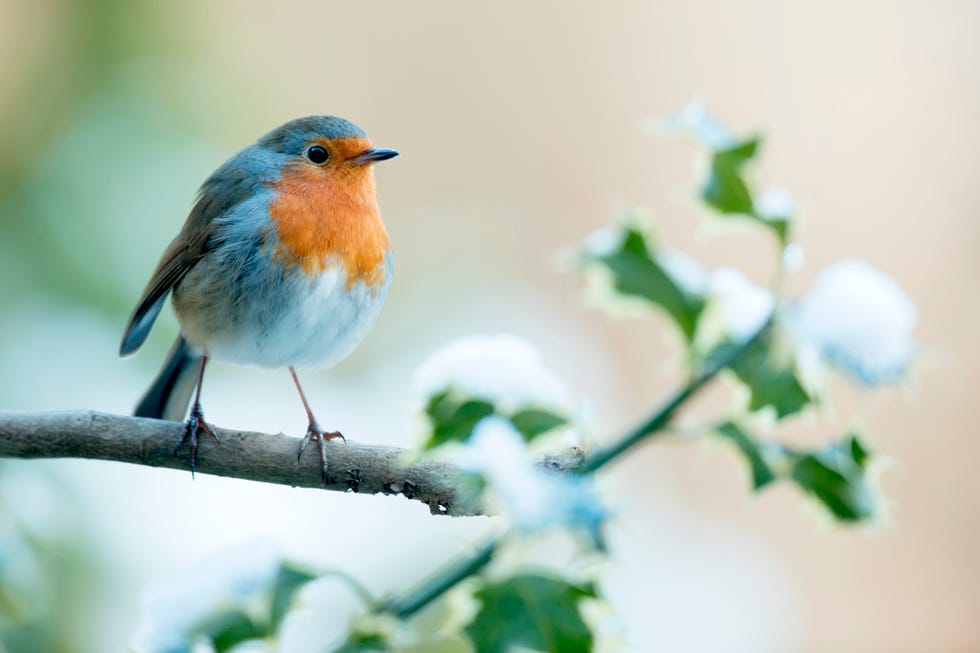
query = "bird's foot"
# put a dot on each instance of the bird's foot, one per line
(314, 432)
(195, 425)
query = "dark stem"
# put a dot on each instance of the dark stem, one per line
(438, 585)
(660, 419)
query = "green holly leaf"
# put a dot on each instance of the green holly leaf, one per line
(836, 476)
(771, 377)
(532, 422)
(453, 419)
(780, 226)
(536, 612)
(363, 643)
(752, 450)
(289, 580)
(229, 628)
(725, 189)
(233, 625)
(636, 272)
(858, 452)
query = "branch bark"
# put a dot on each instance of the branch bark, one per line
(246, 455)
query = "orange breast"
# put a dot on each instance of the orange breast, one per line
(330, 214)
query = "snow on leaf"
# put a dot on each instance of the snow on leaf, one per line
(696, 121)
(775, 204)
(479, 376)
(212, 601)
(604, 240)
(502, 369)
(241, 596)
(682, 287)
(744, 306)
(792, 258)
(726, 188)
(686, 271)
(534, 499)
(860, 319)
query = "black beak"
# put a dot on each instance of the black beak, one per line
(373, 155)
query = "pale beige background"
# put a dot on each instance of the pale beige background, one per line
(521, 128)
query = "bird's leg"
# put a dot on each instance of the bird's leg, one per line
(196, 422)
(314, 432)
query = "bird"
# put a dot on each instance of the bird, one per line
(283, 262)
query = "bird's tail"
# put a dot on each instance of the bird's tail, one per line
(171, 391)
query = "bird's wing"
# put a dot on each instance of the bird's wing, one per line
(220, 193)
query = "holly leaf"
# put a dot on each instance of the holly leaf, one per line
(771, 379)
(232, 625)
(752, 451)
(229, 628)
(836, 476)
(363, 643)
(532, 422)
(637, 273)
(289, 580)
(535, 612)
(453, 419)
(725, 189)
(779, 225)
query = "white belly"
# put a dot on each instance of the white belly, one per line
(252, 312)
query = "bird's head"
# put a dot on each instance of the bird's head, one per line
(324, 205)
(319, 147)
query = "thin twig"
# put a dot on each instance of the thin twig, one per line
(658, 422)
(436, 586)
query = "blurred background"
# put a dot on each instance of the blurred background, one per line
(521, 128)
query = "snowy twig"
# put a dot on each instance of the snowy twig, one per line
(251, 456)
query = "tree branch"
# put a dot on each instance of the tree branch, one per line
(246, 455)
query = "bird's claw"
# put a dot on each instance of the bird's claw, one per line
(314, 432)
(195, 424)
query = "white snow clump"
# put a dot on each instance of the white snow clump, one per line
(860, 319)
(503, 369)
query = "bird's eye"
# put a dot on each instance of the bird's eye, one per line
(317, 154)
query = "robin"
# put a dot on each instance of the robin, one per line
(284, 261)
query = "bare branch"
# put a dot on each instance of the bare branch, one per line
(246, 455)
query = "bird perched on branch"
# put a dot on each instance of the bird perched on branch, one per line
(284, 261)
